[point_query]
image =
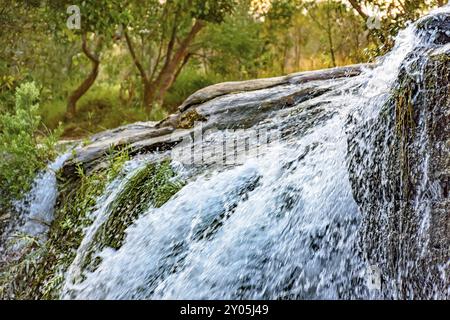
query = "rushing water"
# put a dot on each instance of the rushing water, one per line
(36, 208)
(283, 224)
(288, 221)
(35, 212)
(38, 205)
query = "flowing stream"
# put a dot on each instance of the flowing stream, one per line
(279, 224)
(288, 222)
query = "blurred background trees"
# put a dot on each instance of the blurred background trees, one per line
(138, 60)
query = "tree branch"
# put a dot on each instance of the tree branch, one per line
(358, 8)
(134, 57)
(182, 51)
(91, 55)
(185, 60)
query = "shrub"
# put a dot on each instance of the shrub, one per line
(24, 149)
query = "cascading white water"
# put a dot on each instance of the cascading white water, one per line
(99, 217)
(283, 225)
(259, 206)
(38, 206)
(34, 213)
(35, 210)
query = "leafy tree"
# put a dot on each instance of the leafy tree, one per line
(327, 15)
(277, 20)
(18, 54)
(233, 48)
(393, 16)
(24, 149)
(175, 46)
(99, 22)
(160, 39)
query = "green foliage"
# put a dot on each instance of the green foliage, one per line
(212, 10)
(236, 43)
(24, 149)
(67, 230)
(37, 271)
(235, 47)
(153, 185)
(100, 109)
(93, 13)
(116, 160)
(394, 16)
(284, 10)
(16, 276)
(72, 217)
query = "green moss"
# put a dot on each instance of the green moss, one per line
(66, 233)
(152, 186)
(404, 125)
(429, 89)
(441, 58)
(404, 110)
(187, 119)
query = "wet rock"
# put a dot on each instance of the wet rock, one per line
(399, 165)
(221, 89)
(97, 148)
(224, 105)
(435, 28)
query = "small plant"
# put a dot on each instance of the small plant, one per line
(20, 268)
(24, 149)
(116, 160)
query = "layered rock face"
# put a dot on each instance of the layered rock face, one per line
(221, 106)
(399, 166)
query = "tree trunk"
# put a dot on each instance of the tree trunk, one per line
(172, 68)
(330, 36)
(147, 85)
(87, 83)
(148, 96)
(357, 6)
(162, 90)
(155, 90)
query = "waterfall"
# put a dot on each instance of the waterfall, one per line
(282, 225)
(294, 218)
(38, 205)
(35, 210)
(394, 160)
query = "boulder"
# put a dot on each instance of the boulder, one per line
(220, 106)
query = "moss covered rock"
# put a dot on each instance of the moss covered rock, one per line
(152, 186)
(399, 167)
